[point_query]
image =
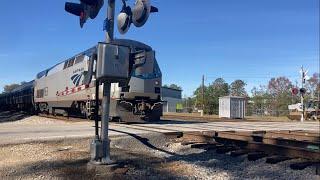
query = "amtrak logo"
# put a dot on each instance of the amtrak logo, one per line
(76, 79)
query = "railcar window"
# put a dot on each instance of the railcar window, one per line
(156, 73)
(79, 59)
(41, 74)
(46, 92)
(71, 61)
(65, 64)
(40, 93)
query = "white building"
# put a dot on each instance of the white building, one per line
(171, 98)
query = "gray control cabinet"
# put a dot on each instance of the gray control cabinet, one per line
(113, 62)
(232, 107)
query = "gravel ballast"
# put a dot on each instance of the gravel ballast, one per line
(151, 156)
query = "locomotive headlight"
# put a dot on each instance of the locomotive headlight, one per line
(157, 82)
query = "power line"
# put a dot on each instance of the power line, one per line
(247, 77)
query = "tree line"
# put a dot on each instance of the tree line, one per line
(271, 99)
(10, 87)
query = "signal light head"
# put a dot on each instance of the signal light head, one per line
(74, 8)
(90, 9)
(86, 9)
(303, 91)
(124, 19)
(93, 7)
(141, 12)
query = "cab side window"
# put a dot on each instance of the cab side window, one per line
(65, 65)
(79, 59)
(40, 93)
(71, 61)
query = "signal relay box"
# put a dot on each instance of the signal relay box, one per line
(113, 62)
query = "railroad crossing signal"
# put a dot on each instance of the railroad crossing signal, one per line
(86, 9)
(304, 75)
(100, 146)
(302, 90)
(141, 12)
(138, 15)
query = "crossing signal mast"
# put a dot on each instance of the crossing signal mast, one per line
(302, 90)
(138, 15)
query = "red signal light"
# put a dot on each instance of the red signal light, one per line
(294, 91)
(86, 9)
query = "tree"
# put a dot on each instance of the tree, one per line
(279, 90)
(218, 88)
(313, 86)
(280, 85)
(198, 97)
(258, 103)
(212, 93)
(188, 103)
(173, 86)
(10, 87)
(237, 88)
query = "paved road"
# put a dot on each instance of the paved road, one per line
(16, 132)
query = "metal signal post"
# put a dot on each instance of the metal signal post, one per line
(100, 146)
(110, 20)
(106, 91)
(303, 79)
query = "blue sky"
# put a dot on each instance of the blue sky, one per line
(248, 39)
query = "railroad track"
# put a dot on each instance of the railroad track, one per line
(65, 118)
(275, 146)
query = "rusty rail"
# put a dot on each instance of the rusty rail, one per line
(293, 144)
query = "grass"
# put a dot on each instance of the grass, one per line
(197, 116)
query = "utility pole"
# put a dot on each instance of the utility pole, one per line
(202, 93)
(303, 77)
(318, 103)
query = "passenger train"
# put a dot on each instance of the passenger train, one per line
(68, 88)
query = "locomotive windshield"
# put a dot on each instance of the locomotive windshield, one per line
(144, 74)
(42, 74)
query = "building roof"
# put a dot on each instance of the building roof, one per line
(171, 88)
(234, 97)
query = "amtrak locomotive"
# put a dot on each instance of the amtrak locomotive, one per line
(68, 88)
